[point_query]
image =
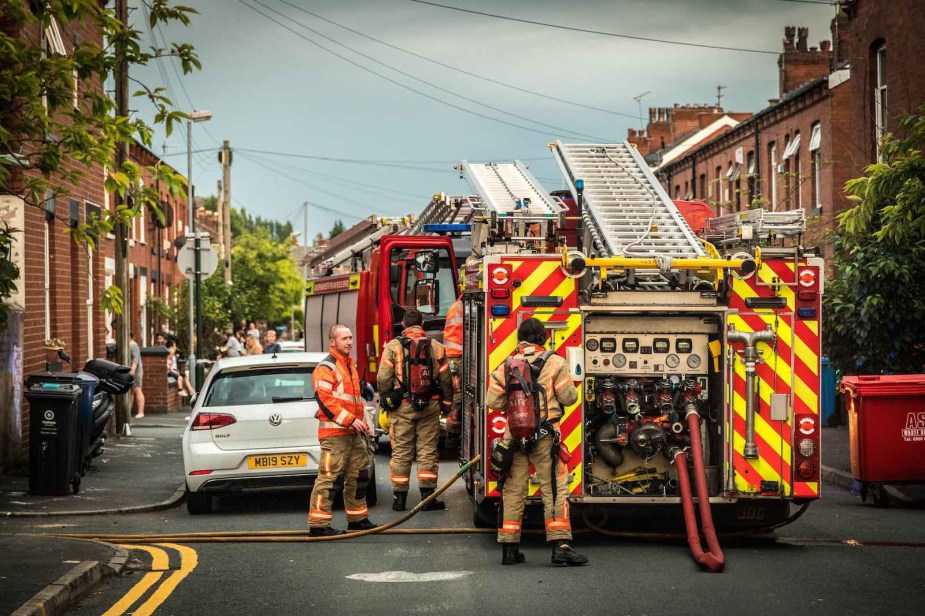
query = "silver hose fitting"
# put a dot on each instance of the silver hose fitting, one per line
(750, 358)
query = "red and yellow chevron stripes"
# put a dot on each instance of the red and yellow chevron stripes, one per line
(541, 276)
(790, 366)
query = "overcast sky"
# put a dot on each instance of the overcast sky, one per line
(271, 89)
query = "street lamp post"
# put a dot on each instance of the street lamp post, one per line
(196, 116)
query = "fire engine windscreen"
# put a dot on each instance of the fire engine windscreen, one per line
(406, 282)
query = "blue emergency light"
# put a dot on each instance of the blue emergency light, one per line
(448, 228)
(500, 311)
(579, 184)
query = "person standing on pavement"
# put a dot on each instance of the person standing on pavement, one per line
(232, 347)
(560, 392)
(344, 435)
(272, 346)
(415, 425)
(137, 371)
(252, 345)
(452, 342)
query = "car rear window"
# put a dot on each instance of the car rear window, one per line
(241, 387)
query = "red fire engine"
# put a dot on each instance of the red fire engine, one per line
(685, 351)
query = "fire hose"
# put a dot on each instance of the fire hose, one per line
(713, 559)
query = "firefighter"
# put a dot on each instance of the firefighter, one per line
(556, 382)
(452, 342)
(343, 434)
(415, 420)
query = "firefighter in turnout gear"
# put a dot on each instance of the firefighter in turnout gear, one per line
(452, 342)
(554, 392)
(343, 434)
(414, 383)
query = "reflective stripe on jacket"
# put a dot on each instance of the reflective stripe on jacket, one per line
(337, 390)
(391, 366)
(555, 378)
(453, 331)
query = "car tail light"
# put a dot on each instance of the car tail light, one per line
(211, 421)
(209, 472)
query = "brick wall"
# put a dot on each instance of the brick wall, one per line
(160, 397)
(799, 63)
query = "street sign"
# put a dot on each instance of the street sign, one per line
(208, 258)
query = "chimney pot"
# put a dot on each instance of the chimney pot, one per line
(825, 45)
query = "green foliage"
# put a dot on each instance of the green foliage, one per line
(41, 127)
(210, 203)
(267, 281)
(875, 307)
(243, 223)
(336, 229)
(9, 272)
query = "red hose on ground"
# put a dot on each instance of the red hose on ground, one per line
(714, 560)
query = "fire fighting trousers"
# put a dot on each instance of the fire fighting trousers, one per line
(514, 495)
(414, 435)
(344, 465)
(454, 419)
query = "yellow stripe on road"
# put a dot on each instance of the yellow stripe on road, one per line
(160, 563)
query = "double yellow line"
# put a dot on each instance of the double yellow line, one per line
(160, 563)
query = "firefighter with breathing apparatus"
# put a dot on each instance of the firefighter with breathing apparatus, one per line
(414, 385)
(452, 342)
(532, 387)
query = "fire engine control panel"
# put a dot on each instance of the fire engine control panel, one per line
(672, 346)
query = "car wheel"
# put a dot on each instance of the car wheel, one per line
(198, 503)
(372, 494)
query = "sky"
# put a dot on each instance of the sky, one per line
(398, 122)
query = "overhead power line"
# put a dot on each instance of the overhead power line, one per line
(457, 69)
(358, 161)
(598, 32)
(403, 85)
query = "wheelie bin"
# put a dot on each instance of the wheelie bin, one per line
(54, 450)
(886, 427)
(88, 384)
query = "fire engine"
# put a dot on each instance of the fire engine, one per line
(685, 349)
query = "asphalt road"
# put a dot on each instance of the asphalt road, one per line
(811, 564)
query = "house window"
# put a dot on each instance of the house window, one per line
(751, 178)
(791, 164)
(702, 185)
(772, 174)
(716, 192)
(880, 100)
(815, 153)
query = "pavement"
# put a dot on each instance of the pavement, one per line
(140, 474)
(136, 474)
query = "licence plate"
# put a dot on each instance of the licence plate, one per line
(278, 460)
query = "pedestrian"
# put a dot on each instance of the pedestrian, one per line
(232, 347)
(159, 339)
(272, 346)
(415, 376)
(252, 345)
(184, 388)
(558, 391)
(453, 343)
(137, 371)
(343, 434)
(253, 331)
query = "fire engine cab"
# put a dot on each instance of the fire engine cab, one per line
(687, 351)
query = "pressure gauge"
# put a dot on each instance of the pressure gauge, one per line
(672, 361)
(693, 361)
(619, 360)
(592, 344)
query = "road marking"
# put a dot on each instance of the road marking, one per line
(407, 576)
(188, 561)
(160, 563)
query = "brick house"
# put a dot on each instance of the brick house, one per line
(61, 282)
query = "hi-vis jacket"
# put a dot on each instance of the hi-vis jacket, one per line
(391, 367)
(337, 390)
(555, 379)
(453, 331)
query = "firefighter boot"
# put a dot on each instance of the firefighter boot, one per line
(398, 501)
(511, 554)
(434, 505)
(563, 554)
(363, 524)
(324, 531)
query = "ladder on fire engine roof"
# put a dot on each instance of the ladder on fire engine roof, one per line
(444, 210)
(328, 261)
(756, 226)
(509, 189)
(630, 213)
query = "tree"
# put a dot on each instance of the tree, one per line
(337, 229)
(267, 280)
(243, 223)
(43, 129)
(875, 307)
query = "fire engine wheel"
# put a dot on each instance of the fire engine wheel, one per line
(879, 495)
(485, 515)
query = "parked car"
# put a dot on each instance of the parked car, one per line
(291, 346)
(253, 428)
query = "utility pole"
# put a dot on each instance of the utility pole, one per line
(220, 210)
(123, 321)
(719, 96)
(226, 203)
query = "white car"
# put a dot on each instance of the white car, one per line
(291, 346)
(254, 428)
